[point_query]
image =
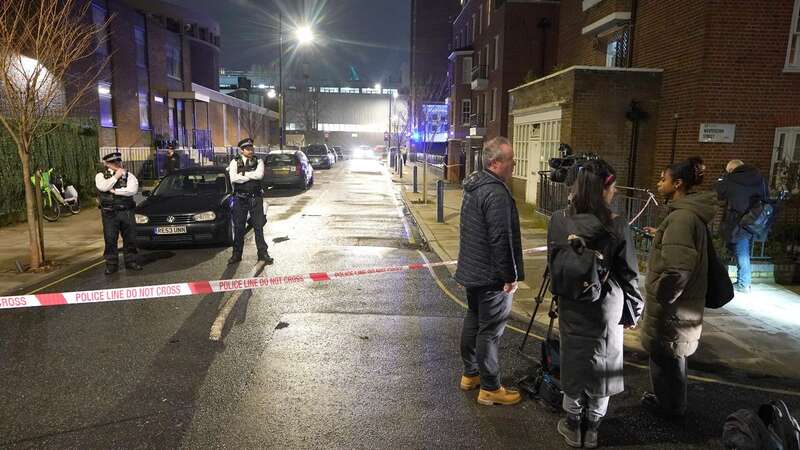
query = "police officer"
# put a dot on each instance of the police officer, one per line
(116, 188)
(246, 173)
(173, 160)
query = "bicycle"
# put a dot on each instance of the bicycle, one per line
(56, 194)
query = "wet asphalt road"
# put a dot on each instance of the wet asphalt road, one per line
(359, 363)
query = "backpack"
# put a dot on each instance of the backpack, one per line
(758, 219)
(720, 288)
(578, 272)
(772, 428)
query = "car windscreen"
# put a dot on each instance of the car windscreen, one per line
(276, 160)
(316, 150)
(192, 184)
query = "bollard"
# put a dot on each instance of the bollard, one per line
(400, 164)
(414, 177)
(440, 201)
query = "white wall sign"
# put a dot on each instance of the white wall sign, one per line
(717, 132)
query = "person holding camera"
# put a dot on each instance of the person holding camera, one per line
(489, 267)
(741, 188)
(676, 286)
(593, 265)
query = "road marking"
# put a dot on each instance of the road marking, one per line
(227, 306)
(66, 277)
(699, 378)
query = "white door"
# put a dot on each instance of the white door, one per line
(532, 186)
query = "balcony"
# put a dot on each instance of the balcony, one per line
(480, 79)
(477, 126)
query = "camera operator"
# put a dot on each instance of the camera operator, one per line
(591, 329)
(741, 187)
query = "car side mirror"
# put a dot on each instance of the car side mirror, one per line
(147, 193)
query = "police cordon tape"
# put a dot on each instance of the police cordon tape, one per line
(203, 287)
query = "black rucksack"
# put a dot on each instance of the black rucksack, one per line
(720, 288)
(578, 272)
(758, 219)
(772, 428)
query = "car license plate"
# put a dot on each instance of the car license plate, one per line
(170, 230)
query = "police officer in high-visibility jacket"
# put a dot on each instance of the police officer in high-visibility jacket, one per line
(116, 188)
(246, 173)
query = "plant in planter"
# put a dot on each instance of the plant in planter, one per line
(783, 246)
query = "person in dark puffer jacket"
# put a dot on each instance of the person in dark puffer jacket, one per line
(489, 267)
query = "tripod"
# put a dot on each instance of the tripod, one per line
(539, 299)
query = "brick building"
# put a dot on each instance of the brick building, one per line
(430, 39)
(162, 84)
(644, 83)
(496, 45)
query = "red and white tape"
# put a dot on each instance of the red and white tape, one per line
(201, 287)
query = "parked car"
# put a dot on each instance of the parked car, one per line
(339, 152)
(288, 168)
(190, 205)
(320, 156)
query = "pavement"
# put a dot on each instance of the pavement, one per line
(370, 362)
(755, 335)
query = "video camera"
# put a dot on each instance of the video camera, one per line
(565, 168)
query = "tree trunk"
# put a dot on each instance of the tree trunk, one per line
(39, 214)
(30, 202)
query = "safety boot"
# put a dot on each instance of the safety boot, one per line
(469, 383)
(501, 396)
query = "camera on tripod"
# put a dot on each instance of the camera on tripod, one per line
(564, 169)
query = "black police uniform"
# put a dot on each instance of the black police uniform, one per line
(118, 218)
(248, 200)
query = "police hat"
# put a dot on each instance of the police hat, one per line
(247, 142)
(113, 157)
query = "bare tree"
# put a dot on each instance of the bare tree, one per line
(401, 124)
(42, 43)
(255, 124)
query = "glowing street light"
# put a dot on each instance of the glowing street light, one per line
(395, 95)
(271, 93)
(262, 86)
(378, 87)
(304, 35)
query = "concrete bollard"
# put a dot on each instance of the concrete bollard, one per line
(414, 177)
(440, 201)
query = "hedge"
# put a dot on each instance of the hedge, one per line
(72, 149)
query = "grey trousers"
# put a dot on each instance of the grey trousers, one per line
(595, 408)
(669, 377)
(489, 308)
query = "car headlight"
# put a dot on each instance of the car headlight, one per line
(142, 219)
(205, 216)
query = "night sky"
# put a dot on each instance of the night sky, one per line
(371, 35)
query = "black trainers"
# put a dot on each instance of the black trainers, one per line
(650, 402)
(570, 429)
(235, 259)
(111, 270)
(133, 266)
(266, 258)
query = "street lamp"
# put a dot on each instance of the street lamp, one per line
(378, 88)
(271, 94)
(304, 35)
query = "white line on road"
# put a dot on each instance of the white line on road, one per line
(227, 306)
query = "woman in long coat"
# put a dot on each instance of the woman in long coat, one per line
(591, 332)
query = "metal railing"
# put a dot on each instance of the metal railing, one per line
(477, 121)
(479, 72)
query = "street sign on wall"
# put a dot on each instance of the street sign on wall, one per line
(717, 132)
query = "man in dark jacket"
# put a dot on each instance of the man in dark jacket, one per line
(740, 188)
(489, 267)
(173, 161)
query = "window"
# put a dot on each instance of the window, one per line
(329, 90)
(486, 52)
(488, 13)
(617, 49)
(494, 101)
(480, 19)
(793, 54)
(496, 52)
(105, 106)
(142, 77)
(174, 56)
(785, 168)
(347, 90)
(524, 136)
(474, 26)
(466, 111)
(106, 109)
(466, 66)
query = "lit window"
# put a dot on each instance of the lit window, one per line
(466, 111)
(329, 90)
(173, 53)
(793, 55)
(347, 90)
(106, 110)
(784, 170)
